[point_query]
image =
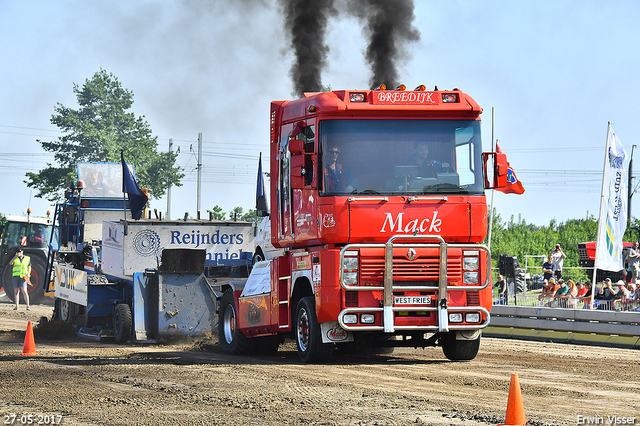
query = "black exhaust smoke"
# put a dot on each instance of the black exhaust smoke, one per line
(307, 22)
(388, 26)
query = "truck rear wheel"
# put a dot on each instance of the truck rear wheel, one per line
(232, 341)
(122, 323)
(308, 335)
(459, 350)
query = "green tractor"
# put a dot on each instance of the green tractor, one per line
(33, 235)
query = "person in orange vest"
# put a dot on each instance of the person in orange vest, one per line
(21, 273)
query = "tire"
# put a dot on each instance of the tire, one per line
(35, 289)
(63, 310)
(7, 273)
(459, 350)
(122, 323)
(232, 341)
(308, 335)
(258, 256)
(38, 277)
(68, 312)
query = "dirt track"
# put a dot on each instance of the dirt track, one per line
(90, 383)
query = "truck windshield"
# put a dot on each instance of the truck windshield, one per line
(395, 157)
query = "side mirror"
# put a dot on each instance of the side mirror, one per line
(296, 146)
(495, 170)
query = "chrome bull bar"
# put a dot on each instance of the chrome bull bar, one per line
(388, 322)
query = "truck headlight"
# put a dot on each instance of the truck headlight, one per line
(350, 319)
(367, 318)
(470, 263)
(471, 277)
(455, 317)
(472, 317)
(350, 278)
(350, 263)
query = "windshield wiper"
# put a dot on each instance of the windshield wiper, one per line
(442, 188)
(365, 192)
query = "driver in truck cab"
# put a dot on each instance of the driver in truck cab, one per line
(427, 167)
(337, 177)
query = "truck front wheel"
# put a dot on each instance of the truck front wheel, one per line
(232, 341)
(308, 335)
(459, 350)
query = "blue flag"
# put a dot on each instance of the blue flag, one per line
(137, 198)
(261, 197)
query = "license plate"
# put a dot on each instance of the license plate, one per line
(411, 300)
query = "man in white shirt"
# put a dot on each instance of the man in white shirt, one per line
(557, 258)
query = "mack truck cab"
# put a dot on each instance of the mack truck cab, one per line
(379, 209)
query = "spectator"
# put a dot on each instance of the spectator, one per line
(634, 262)
(622, 296)
(503, 290)
(557, 257)
(586, 297)
(560, 298)
(634, 296)
(548, 269)
(605, 295)
(547, 290)
(572, 295)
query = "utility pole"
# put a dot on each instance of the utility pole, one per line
(198, 195)
(169, 189)
(630, 187)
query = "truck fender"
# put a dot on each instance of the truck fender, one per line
(301, 282)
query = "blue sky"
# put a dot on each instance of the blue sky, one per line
(554, 72)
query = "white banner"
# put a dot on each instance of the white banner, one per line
(613, 207)
(70, 284)
(142, 247)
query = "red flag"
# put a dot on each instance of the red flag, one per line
(514, 186)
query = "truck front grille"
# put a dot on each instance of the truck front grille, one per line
(420, 269)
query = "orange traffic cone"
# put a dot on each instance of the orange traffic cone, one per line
(29, 342)
(515, 407)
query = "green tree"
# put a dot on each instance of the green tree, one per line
(236, 213)
(98, 131)
(217, 213)
(252, 216)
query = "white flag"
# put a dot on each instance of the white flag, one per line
(613, 207)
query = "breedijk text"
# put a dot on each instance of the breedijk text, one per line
(196, 239)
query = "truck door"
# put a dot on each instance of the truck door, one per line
(284, 186)
(297, 181)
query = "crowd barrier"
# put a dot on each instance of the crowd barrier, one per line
(582, 326)
(570, 303)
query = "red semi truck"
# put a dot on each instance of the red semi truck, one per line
(379, 209)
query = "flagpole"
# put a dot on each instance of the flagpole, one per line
(595, 261)
(492, 191)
